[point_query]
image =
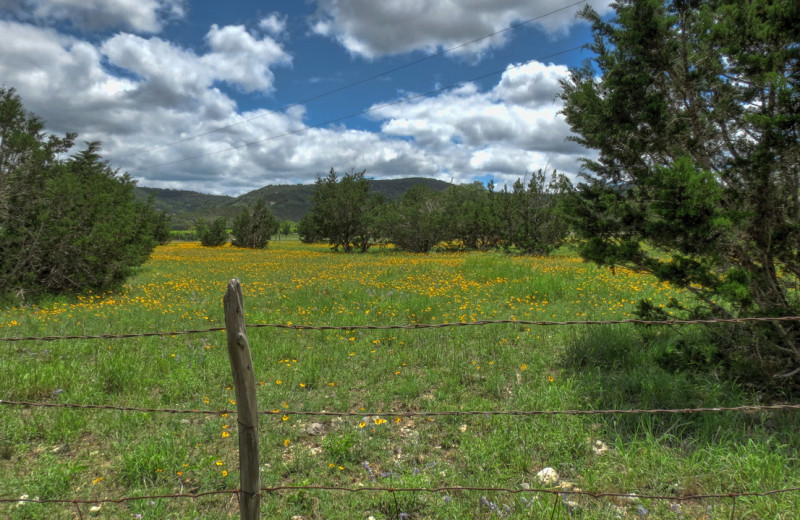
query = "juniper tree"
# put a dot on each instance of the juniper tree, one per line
(342, 213)
(693, 109)
(213, 233)
(66, 224)
(254, 228)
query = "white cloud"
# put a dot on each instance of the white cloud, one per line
(172, 76)
(274, 24)
(136, 94)
(241, 59)
(167, 93)
(502, 132)
(530, 84)
(370, 28)
(141, 15)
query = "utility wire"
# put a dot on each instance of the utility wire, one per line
(356, 114)
(356, 83)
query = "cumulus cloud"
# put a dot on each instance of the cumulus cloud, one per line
(136, 94)
(274, 24)
(369, 29)
(141, 15)
(171, 76)
(514, 127)
(241, 59)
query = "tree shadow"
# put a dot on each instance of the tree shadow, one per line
(627, 367)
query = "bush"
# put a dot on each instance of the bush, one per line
(253, 229)
(212, 234)
(65, 225)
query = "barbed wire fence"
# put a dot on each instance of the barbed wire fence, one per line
(413, 326)
(555, 492)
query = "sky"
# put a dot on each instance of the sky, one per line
(227, 97)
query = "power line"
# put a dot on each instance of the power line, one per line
(356, 114)
(358, 82)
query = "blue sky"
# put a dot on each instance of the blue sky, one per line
(177, 90)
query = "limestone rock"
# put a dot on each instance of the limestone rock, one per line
(315, 429)
(548, 477)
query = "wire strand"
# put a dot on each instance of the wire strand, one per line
(413, 326)
(422, 413)
(443, 489)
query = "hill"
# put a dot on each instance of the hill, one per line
(293, 202)
(176, 201)
(287, 202)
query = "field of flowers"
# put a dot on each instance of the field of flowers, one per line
(68, 453)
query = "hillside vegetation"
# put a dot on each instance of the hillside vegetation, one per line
(287, 202)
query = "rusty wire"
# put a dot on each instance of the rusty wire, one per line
(413, 326)
(553, 491)
(77, 501)
(743, 408)
(442, 489)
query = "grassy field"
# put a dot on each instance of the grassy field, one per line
(72, 453)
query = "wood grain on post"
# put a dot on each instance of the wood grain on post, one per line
(247, 410)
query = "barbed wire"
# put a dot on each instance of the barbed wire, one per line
(118, 500)
(413, 326)
(552, 491)
(114, 336)
(112, 407)
(743, 408)
(442, 489)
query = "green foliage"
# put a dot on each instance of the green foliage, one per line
(161, 228)
(343, 213)
(415, 222)
(308, 232)
(693, 109)
(65, 225)
(214, 233)
(286, 227)
(531, 217)
(472, 221)
(253, 229)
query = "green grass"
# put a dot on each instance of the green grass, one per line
(67, 453)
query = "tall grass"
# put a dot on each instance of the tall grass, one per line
(63, 453)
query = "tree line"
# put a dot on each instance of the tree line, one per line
(527, 219)
(524, 219)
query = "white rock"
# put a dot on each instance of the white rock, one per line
(315, 428)
(599, 447)
(548, 477)
(94, 509)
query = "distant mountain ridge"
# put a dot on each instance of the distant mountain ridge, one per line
(287, 201)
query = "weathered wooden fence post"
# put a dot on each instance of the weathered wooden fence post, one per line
(246, 405)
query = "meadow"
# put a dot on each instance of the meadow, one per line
(87, 454)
